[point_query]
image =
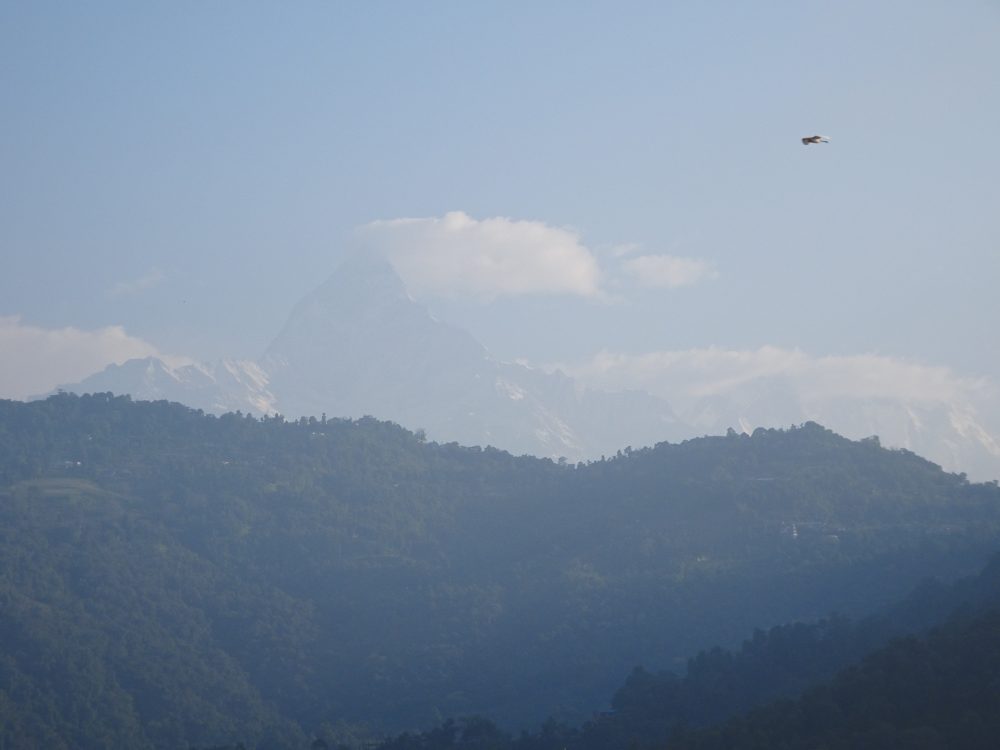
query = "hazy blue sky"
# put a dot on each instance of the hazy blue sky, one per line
(189, 170)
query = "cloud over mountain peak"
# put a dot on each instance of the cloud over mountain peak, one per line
(459, 256)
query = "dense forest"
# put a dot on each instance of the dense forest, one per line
(879, 682)
(938, 692)
(169, 578)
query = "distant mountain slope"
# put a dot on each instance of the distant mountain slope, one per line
(188, 579)
(228, 385)
(360, 345)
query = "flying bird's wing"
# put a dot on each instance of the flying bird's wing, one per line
(815, 139)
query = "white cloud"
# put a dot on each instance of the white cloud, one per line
(696, 373)
(627, 248)
(36, 359)
(669, 271)
(132, 287)
(456, 256)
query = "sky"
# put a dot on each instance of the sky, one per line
(574, 182)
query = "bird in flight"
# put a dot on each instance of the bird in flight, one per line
(808, 140)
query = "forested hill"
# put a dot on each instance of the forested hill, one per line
(169, 578)
(937, 692)
(878, 682)
(883, 682)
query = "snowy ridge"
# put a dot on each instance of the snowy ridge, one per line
(228, 385)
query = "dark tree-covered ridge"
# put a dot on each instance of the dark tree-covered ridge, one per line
(937, 692)
(169, 578)
(880, 682)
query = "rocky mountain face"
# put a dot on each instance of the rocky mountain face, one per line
(360, 345)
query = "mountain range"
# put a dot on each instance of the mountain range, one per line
(360, 345)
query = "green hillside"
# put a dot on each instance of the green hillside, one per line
(882, 682)
(169, 578)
